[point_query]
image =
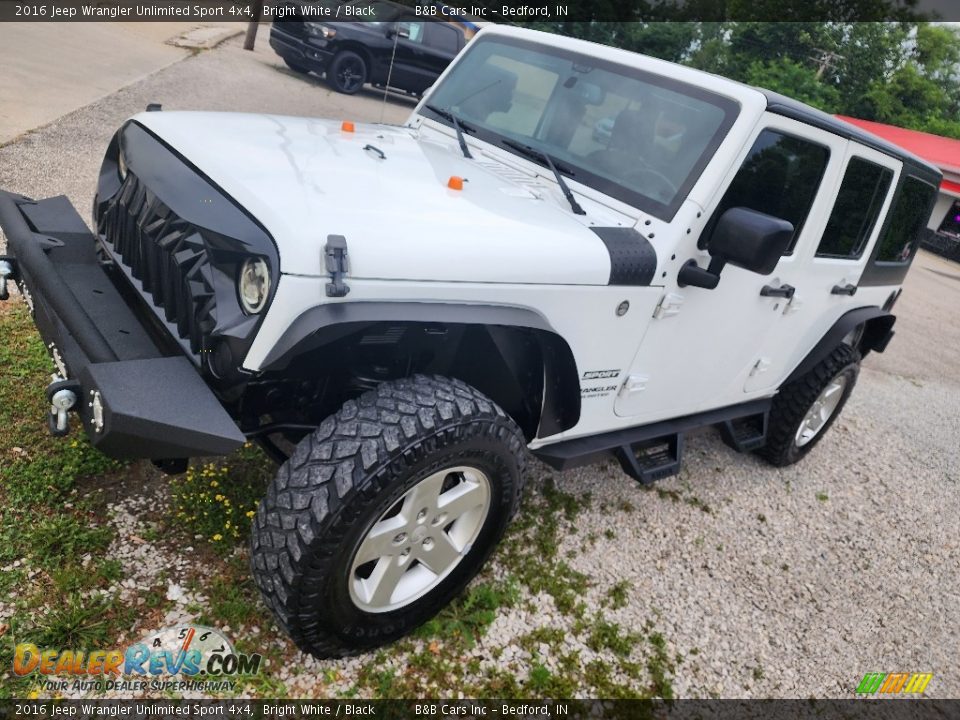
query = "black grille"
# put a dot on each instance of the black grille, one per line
(167, 255)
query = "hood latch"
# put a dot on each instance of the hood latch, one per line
(335, 258)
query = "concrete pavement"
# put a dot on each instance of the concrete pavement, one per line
(51, 69)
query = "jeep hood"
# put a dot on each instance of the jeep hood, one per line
(304, 179)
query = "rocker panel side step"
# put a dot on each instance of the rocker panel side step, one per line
(745, 434)
(568, 454)
(652, 460)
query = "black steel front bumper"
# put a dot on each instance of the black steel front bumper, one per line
(136, 396)
(299, 51)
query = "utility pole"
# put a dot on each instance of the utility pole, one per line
(251, 37)
(825, 61)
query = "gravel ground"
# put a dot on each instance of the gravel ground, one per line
(782, 583)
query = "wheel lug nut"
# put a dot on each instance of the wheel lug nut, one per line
(440, 519)
(427, 543)
(422, 514)
(398, 540)
(405, 552)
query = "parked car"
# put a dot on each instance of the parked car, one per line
(352, 54)
(400, 314)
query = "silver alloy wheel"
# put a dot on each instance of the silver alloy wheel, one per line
(821, 411)
(420, 539)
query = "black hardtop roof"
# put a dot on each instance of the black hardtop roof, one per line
(796, 110)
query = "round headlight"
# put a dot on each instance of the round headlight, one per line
(122, 165)
(254, 285)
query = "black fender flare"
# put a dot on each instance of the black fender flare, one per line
(878, 330)
(324, 324)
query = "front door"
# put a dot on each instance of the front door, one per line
(704, 345)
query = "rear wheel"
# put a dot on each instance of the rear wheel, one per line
(348, 72)
(385, 512)
(805, 409)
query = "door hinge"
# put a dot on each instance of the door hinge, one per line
(794, 305)
(669, 305)
(634, 384)
(335, 258)
(760, 366)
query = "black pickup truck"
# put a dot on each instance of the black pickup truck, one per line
(355, 53)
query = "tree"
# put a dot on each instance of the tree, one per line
(901, 72)
(790, 78)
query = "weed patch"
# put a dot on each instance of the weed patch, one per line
(219, 499)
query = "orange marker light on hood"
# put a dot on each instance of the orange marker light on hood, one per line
(347, 126)
(455, 182)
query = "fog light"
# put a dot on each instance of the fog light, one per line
(254, 285)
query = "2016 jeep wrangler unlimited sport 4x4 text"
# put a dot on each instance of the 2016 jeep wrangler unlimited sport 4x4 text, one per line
(399, 313)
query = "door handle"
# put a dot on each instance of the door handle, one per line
(784, 291)
(847, 289)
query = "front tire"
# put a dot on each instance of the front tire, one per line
(384, 513)
(804, 409)
(348, 72)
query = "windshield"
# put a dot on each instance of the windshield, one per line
(639, 137)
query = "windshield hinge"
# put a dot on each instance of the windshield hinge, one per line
(335, 258)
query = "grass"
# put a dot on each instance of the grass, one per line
(218, 499)
(606, 635)
(619, 594)
(58, 538)
(676, 497)
(533, 542)
(467, 618)
(58, 574)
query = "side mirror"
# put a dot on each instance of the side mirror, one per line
(750, 240)
(746, 238)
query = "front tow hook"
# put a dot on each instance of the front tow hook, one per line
(62, 395)
(6, 272)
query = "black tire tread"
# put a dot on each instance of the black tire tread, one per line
(794, 399)
(308, 506)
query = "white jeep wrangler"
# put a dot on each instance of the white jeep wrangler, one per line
(568, 248)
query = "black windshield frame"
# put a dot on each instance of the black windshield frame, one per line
(730, 108)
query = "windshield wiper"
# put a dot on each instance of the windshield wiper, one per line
(457, 125)
(535, 153)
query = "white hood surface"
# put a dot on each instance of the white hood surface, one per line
(305, 179)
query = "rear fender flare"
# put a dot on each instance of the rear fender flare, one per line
(878, 329)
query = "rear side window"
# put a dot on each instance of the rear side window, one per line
(862, 192)
(780, 177)
(443, 37)
(907, 218)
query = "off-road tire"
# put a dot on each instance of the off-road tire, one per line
(345, 475)
(795, 399)
(296, 67)
(341, 61)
